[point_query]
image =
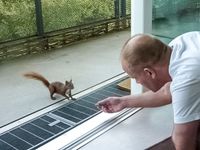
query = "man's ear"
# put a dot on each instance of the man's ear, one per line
(150, 72)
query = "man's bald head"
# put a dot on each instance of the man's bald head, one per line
(143, 50)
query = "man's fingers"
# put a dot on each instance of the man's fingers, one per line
(107, 109)
(99, 105)
(104, 109)
(104, 106)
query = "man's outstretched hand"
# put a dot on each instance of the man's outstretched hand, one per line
(111, 104)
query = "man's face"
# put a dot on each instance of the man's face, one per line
(141, 76)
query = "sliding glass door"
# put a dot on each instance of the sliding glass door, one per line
(174, 17)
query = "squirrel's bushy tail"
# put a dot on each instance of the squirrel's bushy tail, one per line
(37, 76)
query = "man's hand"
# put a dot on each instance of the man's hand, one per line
(147, 99)
(111, 104)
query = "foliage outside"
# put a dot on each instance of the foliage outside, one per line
(75, 12)
(17, 17)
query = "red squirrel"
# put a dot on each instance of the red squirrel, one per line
(54, 87)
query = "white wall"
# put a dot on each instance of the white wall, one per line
(141, 22)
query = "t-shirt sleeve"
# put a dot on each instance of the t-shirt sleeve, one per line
(186, 99)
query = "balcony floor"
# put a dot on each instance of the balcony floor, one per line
(87, 63)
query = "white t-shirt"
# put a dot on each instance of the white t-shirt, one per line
(184, 70)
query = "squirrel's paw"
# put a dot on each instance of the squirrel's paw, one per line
(73, 98)
(53, 98)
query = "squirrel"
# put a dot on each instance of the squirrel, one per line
(54, 87)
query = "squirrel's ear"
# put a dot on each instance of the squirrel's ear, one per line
(70, 81)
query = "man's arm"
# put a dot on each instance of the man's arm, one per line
(185, 135)
(147, 99)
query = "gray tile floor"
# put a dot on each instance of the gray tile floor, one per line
(87, 63)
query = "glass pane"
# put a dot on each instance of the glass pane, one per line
(87, 62)
(174, 17)
(17, 19)
(67, 13)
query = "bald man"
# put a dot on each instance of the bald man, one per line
(172, 73)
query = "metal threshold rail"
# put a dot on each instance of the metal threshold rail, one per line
(104, 123)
